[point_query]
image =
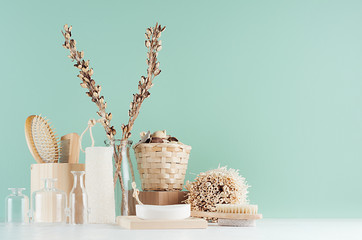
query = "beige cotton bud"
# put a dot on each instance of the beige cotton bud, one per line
(148, 31)
(147, 43)
(159, 134)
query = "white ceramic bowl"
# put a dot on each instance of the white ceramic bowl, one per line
(166, 212)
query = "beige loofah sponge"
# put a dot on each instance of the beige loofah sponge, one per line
(218, 186)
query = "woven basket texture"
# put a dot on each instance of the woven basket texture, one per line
(162, 166)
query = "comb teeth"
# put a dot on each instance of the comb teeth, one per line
(237, 208)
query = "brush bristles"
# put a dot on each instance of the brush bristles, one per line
(237, 208)
(45, 140)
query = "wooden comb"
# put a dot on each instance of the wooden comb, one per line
(70, 147)
(41, 139)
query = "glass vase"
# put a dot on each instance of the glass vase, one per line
(16, 206)
(78, 200)
(127, 200)
(49, 204)
(123, 190)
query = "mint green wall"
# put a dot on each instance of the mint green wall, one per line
(273, 88)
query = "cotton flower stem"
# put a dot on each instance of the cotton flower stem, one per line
(144, 85)
(85, 74)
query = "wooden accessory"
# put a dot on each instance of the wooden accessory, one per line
(162, 166)
(237, 215)
(156, 198)
(60, 171)
(41, 139)
(70, 147)
(132, 222)
(201, 214)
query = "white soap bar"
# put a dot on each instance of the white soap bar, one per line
(166, 212)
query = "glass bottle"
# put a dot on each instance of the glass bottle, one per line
(16, 206)
(78, 200)
(49, 204)
(124, 198)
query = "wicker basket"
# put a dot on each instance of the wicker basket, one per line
(162, 166)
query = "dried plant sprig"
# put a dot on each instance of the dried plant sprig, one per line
(154, 45)
(85, 74)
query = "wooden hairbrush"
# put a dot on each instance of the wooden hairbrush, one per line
(237, 215)
(42, 141)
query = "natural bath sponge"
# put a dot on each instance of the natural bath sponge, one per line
(218, 186)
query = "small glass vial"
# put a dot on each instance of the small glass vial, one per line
(16, 206)
(49, 204)
(78, 200)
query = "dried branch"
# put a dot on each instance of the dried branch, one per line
(85, 74)
(154, 46)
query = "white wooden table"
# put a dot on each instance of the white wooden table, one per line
(280, 229)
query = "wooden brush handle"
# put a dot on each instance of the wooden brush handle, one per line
(30, 141)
